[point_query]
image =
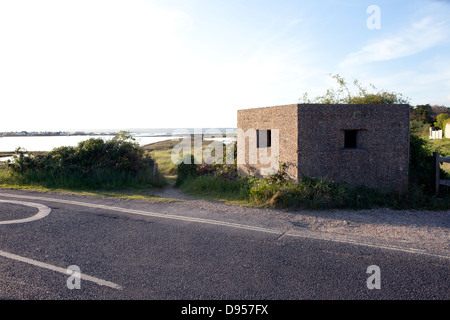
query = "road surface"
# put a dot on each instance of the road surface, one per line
(57, 246)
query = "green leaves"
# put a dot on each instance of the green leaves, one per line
(343, 95)
(441, 119)
(93, 163)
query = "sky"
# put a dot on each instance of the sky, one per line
(112, 64)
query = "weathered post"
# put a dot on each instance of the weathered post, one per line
(436, 173)
(155, 171)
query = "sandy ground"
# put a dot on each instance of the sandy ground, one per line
(419, 231)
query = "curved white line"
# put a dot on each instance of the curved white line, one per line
(42, 213)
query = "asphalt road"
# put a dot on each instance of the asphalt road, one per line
(128, 254)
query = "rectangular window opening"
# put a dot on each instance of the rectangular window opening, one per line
(263, 138)
(350, 139)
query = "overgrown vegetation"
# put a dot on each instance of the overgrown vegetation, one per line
(305, 194)
(93, 164)
(361, 95)
(277, 191)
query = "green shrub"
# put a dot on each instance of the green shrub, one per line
(94, 163)
(311, 194)
(420, 162)
(186, 168)
(360, 95)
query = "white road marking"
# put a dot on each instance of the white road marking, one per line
(226, 224)
(147, 213)
(43, 212)
(58, 269)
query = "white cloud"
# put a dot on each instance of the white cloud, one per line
(420, 36)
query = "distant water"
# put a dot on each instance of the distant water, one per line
(174, 131)
(142, 136)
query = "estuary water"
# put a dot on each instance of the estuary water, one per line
(48, 143)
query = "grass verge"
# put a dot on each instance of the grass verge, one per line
(311, 194)
(131, 193)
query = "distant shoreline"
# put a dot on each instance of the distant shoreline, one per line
(42, 143)
(161, 132)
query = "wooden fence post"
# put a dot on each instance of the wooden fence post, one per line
(155, 171)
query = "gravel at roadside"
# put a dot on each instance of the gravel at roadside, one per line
(427, 231)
